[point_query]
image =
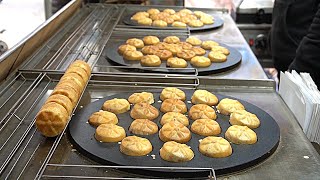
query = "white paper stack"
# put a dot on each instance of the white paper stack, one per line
(301, 95)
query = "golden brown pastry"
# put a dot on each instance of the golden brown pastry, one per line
(175, 62)
(163, 54)
(170, 11)
(241, 135)
(81, 72)
(179, 24)
(184, 19)
(202, 111)
(144, 13)
(150, 60)
(171, 39)
(205, 127)
(135, 146)
(186, 54)
(116, 106)
(209, 44)
(159, 23)
(151, 40)
(173, 48)
(140, 15)
(153, 11)
(215, 147)
(132, 55)
(172, 93)
(199, 51)
(143, 97)
(126, 47)
(145, 21)
(74, 77)
(195, 23)
(185, 45)
(199, 14)
(162, 45)
(194, 41)
(143, 127)
(200, 61)
(173, 105)
(244, 118)
(168, 20)
(138, 43)
(192, 17)
(72, 84)
(51, 119)
(174, 131)
(62, 100)
(175, 152)
(67, 91)
(220, 49)
(227, 106)
(83, 65)
(103, 117)
(217, 57)
(149, 50)
(144, 111)
(204, 97)
(175, 17)
(109, 133)
(206, 19)
(186, 11)
(174, 116)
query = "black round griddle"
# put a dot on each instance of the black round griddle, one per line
(233, 59)
(218, 22)
(243, 156)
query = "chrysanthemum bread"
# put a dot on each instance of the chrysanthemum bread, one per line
(171, 39)
(67, 91)
(215, 147)
(204, 97)
(116, 106)
(175, 152)
(170, 11)
(208, 45)
(205, 127)
(173, 105)
(145, 21)
(149, 50)
(174, 116)
(174, 131)
(163, 54)
(241, 135)
(220, 49)
(175, 62)
(153, 11)
(83, 65)
(81, 72)
(198, 51)
(179, 24)
(186, 54)
(126, 47)
(150, 60)
(135, 146)
(143, 97)
(151, 40)
(62, 100)
(173, 48)
(207, 19)
(194, 41)
(200, 61)
(172, 93)
(144, 111)
(195, 23)
(202, 111)
(143, 127)
(217, 57)
(132, 55)
(138, 43)
(185, 45)
(103, 117)
(244, 118)
(226, 106)
(159, 23)
(110, 133)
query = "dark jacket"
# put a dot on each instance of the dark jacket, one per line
(296, 23)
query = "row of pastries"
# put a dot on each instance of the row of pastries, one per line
(174, 131)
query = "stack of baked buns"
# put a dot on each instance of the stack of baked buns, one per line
(169, 17)
(56, 111)
(150, 51)
(174, 128)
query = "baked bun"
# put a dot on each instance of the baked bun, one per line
(62, 100)
(175, 152)
(138, 43)
(143, 97)
(135, 146)
(169, 11)
(150, 60)
(174, 131)
(168, 20)
(116, 106)
(67, 91)
(162, 45)
(186, 54)
(143, 127)
(195, 23)
(179, 24)
(215, 147)
(199, 14)
(244, 118)
(185, 45)
(51, 119)
(199, 51)
(174, 116)
(220, 49)
(176, 18)
(227, 106)
(144, 111)
(204, 97)
(173, 48)
(81, 72)
(140, 15)
(132, 55)
(163, 54)
(76, 78)
(103, 117)
(151, 40)
(241, 135)
(202, 111)
(149, 50)
(126, 47)
(109, 133)
(159, 23)
(83, 65)
(145, 21)
(171, 39)
(172, 93)
(72, 84)
(217, 57)
(209, 44)
(200, 61)
(173, 105)
(205, 127)
(194, 41)
(186, 11)
(175, 62)
(153, 11)
(206, 19)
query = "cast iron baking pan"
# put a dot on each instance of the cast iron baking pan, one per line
(243, 156)
(218, 22)
(233, 59)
